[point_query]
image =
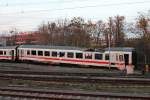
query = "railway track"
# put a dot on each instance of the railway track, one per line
(60, 73)
(67, 95)
(100, 74)
(70, 77)
(79, 77)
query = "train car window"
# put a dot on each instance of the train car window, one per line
(54, 54)
(106, 56)
(116, 57)
(4, 52)
(28, 52)
(61, 54)
(9, 52)
(12, 53)
(40, 53)
(70, 54)
(47, 53)
(21, 52)
(98, 56)
(126, 59)
(1, 52)
(33, 52)
(88, 55)
(120, 57)
(79, 55)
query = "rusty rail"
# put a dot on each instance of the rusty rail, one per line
(66, 95)
(87, 79)
(108, 74)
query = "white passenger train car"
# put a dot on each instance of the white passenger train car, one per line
(61, 54)
(115, 57)
(121, 57)
(8, 53)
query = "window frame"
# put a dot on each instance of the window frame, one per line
(47, 55)
(100, 58)
(56, 53)
(4, 53)
(40, 53)
(28, 52)
(1, 52)
(62, 56)
(121, 58)
(72, 55)
(107, 55)
(88, 55)
(77, 56)
(33, 54)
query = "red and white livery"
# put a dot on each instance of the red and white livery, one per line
(113, 57)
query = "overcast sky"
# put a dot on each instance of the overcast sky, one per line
(26, 15)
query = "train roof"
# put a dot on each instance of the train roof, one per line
(8, 47)
(125, 49)
(52, 47)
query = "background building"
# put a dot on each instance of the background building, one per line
(19, 38)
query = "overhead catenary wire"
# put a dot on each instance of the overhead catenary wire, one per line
(47, 19)
(70, 8)
(43, 2)
(78, 7)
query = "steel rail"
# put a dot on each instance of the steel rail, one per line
(84, 79)
(109, 74)
(66, 94)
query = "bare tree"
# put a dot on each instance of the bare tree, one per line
(144, 43)
(43, 36)
(119, 33)
(13, 36)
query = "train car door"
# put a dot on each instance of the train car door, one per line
(134, 58)
(126, 59)
(12, 54)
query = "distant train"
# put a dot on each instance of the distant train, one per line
(119, 57)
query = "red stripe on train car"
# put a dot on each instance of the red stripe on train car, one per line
(69, 60)
(5, 56)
